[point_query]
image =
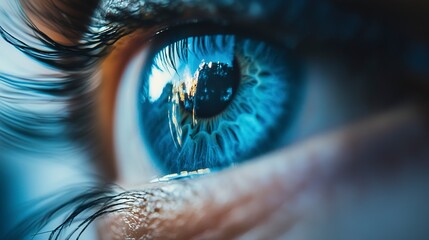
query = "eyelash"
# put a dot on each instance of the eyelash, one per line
(92, 204)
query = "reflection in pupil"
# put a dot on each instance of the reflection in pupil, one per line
(213, 88)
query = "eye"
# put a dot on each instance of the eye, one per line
(214, 100)
(209, 101)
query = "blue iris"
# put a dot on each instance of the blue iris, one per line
(215, 100)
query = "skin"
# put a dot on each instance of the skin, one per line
(363, 180)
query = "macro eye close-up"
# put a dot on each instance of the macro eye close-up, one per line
(227, 119)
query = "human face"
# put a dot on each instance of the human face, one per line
(351, 162)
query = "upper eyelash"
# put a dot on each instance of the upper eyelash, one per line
(65, 58)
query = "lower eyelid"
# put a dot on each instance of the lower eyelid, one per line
(297, 180)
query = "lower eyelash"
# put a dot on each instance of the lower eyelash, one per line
(82, 210)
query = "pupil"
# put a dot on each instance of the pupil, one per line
(213, 90)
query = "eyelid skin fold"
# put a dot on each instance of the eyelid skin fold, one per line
(286, 194)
